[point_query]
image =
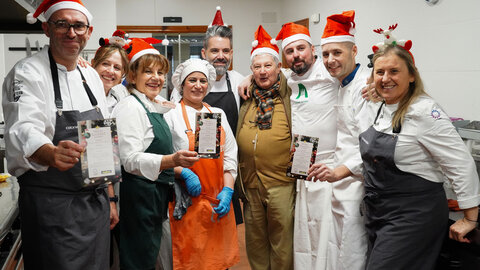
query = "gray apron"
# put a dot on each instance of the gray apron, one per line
(406, 214)
(63, 225)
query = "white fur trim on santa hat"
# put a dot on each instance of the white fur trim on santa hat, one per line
(31, 19)
(295, 37)
(264, 50)
(331, 39)
(142, 53)
(68, 5)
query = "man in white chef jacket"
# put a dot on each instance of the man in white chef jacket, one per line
(347, 244)
(313, 100)
(64, 225)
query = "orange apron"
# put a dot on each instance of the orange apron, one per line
(201, 240)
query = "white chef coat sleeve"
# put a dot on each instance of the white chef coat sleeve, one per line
(132, 125)
(26, 121)
(230, 151)
(438, 136)
(361, 117)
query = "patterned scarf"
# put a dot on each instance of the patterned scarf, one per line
(264, 99)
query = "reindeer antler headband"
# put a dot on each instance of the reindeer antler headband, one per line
(391, 40)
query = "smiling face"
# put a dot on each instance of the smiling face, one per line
(392, 78)
(67, 46)
(339, 58)
(265, 70)
(218, 53)
(150, 81)
(110, 71)
(194, 89)
(299, 56)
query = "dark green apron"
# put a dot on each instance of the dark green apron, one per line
(144, 204)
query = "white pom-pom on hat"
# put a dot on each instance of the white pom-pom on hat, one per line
(254, 43)
(31, 19)
(273, 41)
(218, 8)
(352, 30)
(165, 42)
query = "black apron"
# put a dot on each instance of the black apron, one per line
(63, 225)
(406, 214)
(144, 204)
(226, 101)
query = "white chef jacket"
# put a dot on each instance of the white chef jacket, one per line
(29, 106)
(430, 147)
(135, 134)
(313, 113)
(116, 93)
(174, 118)
(219, 86)
(357, 116)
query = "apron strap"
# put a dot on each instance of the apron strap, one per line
(378, 112)
(56, 85)
(189, 131)
(229, 85)
(143, 105)
(92, 98)
(396, 129)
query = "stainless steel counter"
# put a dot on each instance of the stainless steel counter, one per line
(8, 204)
(10, 240)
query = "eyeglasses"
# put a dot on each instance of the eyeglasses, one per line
(63, 27)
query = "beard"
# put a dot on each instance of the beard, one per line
(301, 69)
(221, 69)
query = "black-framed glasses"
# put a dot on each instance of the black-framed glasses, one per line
(63, 27)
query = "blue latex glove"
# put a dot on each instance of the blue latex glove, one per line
(191, 181)
(225, 197)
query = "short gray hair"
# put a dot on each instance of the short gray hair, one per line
(218, 31)
(275, 59)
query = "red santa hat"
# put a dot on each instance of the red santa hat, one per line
(264, 43)
(340, 28)
(142, 46)
(48, 7)
(119, 38)
(217, 20)
(291, 32)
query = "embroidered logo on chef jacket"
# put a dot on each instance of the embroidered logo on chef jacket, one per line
(17, 90)
(302, 90)
(435, 114)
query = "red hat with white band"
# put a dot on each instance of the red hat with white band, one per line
(264, 43)
(291, 32)
(48, 7)
(340, 28)
(140, 47)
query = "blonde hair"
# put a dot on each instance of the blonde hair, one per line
(415, 88)
(144, 62)
(104, 52)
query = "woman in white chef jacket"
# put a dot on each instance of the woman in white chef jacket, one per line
(407, 153)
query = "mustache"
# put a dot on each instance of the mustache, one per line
(224, 61)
